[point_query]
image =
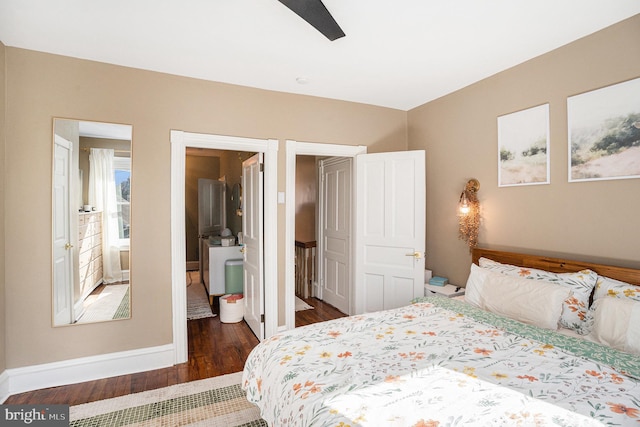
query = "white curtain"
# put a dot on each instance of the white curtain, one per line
(102, 196)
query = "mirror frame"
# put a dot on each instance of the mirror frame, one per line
(73, 239)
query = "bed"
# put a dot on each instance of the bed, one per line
(562, 351)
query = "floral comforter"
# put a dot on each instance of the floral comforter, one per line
(439, 362)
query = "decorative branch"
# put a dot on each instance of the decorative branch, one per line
(469, 221)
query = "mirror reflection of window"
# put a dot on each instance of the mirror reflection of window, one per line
(91, 217)
(122, 174)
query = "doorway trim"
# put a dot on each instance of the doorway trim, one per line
(293, 149)
(180, 140)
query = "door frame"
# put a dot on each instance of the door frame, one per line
(293, 149)
(180, 140)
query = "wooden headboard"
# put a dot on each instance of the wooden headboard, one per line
(557, 265)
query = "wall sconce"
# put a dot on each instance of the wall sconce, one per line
(469, 213)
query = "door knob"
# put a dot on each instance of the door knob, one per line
(416, 255)
(68, 246)
(243, 250)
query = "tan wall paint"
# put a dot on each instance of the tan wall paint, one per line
(595, 220)
(41, 86)
(3, 345)
(306, 196)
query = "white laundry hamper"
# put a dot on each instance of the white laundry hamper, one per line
(231, 308)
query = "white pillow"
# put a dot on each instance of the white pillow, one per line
(473, 288)
(534, 302)
(580, 283)
(608, 287)
(616, 323)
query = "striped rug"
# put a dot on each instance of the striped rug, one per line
(123, 311)
(216, 402)
(197, 300)
(111, 303)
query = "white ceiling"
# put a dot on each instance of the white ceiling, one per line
(105, 130)
(396, 53)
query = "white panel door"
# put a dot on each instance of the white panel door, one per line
(252, 232)
(62, 249)
(335, 232)
(390, 229)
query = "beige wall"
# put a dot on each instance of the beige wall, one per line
(2, 204)
(306, 195)
(459, 132)
(42, 86)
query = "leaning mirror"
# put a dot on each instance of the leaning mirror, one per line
(91, 208)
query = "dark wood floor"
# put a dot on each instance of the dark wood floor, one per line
(215, 348)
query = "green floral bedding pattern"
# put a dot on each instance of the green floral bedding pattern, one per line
(438, 362)
(626, 363)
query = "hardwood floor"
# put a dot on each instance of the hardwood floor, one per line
(215, 348)
(321, 312)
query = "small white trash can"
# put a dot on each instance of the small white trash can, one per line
(231, 308)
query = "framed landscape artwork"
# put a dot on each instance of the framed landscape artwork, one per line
(523, 147)
(604, 133)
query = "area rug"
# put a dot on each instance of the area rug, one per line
(111, 303)
(123, 311)
(197, 300)
(301, 305)
(215, 402)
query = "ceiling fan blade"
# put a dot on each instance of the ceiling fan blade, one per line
(316, 14)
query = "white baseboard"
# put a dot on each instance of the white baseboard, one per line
(4, 386)
(19, 380)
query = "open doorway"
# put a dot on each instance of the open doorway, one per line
(388, 222)
(180, 141)
(305, 226)
(213, 215)
(294, 150)
(323, 232)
